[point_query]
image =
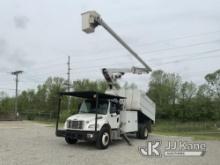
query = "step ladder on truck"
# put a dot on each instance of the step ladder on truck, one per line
(104, 117)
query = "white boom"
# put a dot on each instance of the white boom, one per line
(91, 19)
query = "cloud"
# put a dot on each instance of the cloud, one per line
(19, 58)
(21, 22)
(12, 57)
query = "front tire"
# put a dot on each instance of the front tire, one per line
(70, 140)
(103, 139)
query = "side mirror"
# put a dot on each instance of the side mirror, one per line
(118, 108)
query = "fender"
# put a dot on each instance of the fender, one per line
(107, 126)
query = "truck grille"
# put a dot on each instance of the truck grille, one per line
(72, 124)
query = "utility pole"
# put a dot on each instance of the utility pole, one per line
(68, 82)
(16, 73)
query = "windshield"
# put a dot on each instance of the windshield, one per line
(89, 106)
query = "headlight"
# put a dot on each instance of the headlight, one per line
(93, 126)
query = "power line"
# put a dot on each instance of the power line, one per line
(148, 52)
(192, 59)
(48, 66)
(165, 63)
(175, 61)
(103, 58)
(180, 47)
(184, 37)
(185, 59)
(161, 41)
(196, 44)
(8, 89)
(191, 54)
(48, 73)
(158, 50)
(32, 78)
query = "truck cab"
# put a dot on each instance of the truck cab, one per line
(101, 118)
(107, 113)
(97, 117)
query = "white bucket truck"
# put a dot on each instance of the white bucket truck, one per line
(104, 117)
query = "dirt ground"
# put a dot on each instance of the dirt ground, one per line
(30, 143)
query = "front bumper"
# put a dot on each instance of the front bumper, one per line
(81, 135)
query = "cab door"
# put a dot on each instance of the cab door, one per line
(114, 117)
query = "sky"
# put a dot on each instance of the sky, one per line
(37, 36)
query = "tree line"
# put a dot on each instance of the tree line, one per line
(183, 100)
(175, 99)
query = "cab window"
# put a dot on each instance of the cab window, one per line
(113, 108)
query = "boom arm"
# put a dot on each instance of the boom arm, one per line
(91, 19)
(112, 74)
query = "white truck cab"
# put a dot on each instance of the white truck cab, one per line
(106, 117)
(107, 113)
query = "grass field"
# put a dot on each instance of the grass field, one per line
(197, 130)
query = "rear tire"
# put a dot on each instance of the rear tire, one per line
(70, 140)
(103, 139)
(142, 131)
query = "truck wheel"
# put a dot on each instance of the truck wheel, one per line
(142, 131)
(103, 139)
(70, 140)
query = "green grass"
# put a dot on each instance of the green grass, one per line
(197, 130)
(49, 123)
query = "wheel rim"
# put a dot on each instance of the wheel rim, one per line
(105, 138)
(146, 132)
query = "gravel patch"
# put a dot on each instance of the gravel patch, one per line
(28, 143)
